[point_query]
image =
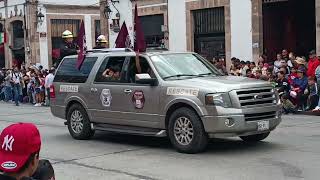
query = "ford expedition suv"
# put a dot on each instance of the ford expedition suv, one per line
(179, 95)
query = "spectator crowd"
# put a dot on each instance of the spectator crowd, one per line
(297, 79)
(26, 85)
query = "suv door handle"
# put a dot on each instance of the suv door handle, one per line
(94, 90)
(128, 91)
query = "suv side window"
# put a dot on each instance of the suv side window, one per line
(133, 70)
(111, 70)
(68, 72)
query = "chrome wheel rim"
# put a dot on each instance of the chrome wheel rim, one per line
(76, 121)
(183, 131)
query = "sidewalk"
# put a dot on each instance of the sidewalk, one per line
(20, 104)
(310, 113)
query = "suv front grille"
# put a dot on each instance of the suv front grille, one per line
(260, 116)
(256, 97)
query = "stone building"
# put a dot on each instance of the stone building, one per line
(33, 29)
(235, 28)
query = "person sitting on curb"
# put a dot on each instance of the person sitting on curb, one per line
(19, 151)
(317, 74)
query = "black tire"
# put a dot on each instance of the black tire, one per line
(199, 140)
(255, 138)
(86, 131)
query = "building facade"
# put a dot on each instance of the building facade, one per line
(29, 39)
(232, 28)
(229, 28)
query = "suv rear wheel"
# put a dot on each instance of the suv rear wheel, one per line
(78, 123)
(186, 131)
(255, 138)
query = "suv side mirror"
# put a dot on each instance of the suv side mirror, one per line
(145, 79)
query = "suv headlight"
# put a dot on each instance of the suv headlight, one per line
(218, 99)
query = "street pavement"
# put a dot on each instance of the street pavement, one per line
(291, 152)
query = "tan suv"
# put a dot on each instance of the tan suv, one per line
(179, 95)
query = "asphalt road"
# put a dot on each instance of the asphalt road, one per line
(291, 152)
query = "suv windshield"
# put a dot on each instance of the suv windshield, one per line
(182, 65)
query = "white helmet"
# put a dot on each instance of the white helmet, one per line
(67, 34)
(102, 39)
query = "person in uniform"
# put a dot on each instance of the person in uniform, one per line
(101, 42)
(68, 47)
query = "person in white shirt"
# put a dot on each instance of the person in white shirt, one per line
(16, 79)
(292, 58)
(277, 64)
(48, 83)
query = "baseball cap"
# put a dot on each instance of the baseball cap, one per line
(301, 70)
(17, 143)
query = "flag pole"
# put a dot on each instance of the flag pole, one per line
(139, 41)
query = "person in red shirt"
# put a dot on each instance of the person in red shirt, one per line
(292, 75)
(313, 63)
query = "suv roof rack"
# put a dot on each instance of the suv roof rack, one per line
(106, 50)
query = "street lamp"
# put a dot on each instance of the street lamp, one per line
(40, 17)
(107, 11)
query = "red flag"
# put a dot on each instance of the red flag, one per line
(123, 39)
(139, 42)
(82, 46)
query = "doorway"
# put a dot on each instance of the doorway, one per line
(289, 25)
(18, 50)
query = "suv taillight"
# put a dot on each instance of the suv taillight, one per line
(52, 92)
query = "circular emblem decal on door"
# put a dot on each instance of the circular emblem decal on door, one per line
(138, 99)
(106, 97)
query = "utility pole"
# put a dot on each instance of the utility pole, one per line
(104, 20)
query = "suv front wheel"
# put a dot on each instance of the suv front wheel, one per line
(255, 138)
(79, 123)
(186, 131)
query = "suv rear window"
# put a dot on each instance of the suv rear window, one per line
(68, 72)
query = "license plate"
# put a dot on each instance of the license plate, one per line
(263, 125)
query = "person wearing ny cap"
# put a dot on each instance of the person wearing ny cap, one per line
(19, 151)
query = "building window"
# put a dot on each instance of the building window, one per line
(151, 26)
(58, 26)
(18, 34)
(97, 27)
(209, 32)
(17, 48)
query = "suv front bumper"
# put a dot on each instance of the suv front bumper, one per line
(217, 126)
